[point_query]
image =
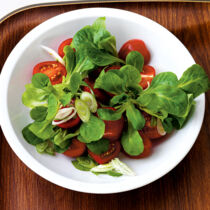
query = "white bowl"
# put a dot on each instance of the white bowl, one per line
(167, 54)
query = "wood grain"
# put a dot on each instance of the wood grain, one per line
(185, 187)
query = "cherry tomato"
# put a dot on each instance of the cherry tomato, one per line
(100, 94)
(147, 76)
(113, 151)
(114, 128)
(62, 45)
(147, 147)
(135, 45)
(150, 131)
(71, 123)
(53, 69)
(76, 149)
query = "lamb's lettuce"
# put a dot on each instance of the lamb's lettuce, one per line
(135, 59)
(194, 80)
(131, 141)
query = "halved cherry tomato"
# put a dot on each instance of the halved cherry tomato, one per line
(147, 76)
(135, 45)
(147, 147)
(53, 69)
(113, 129)
(62, 45)
(100, 94)
(76, 149)
(150, 131)
(113, 151)
(71, 123)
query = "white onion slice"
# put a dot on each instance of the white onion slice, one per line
(121, 167)
(116, 165)
(54, 54)
(66, 118)
(63, 113)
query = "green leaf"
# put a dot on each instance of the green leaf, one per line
(194, 80)
(83, 62)
(53, 107)
(41, 147)
(110, 82)
(98, 147)
(132, 142)
(119, 99)
(99, 57)
(46, 147)
(109, 114)
(75, 82)
(164, 78)
(38, 113)
(93, 130)
(62, 139)
(83, 35)
(33, 97)
(168, 124)
(136, 59)
(135, 117)
(99, 24)
(179, 122)
(84, 163)
(43, 130)
(66, 98)
(114, 173)
(40, 80)
(69, 59)
(163, 100)
(109, 45)
(30, 137)
(131, 75)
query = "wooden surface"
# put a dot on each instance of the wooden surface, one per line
(185, 187)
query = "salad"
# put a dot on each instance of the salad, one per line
(94, 102)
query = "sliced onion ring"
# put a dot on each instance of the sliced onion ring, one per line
(54, 54)
(72, 114)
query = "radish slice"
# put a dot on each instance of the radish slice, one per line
(54, 54)
(71, 113)
(160, 128)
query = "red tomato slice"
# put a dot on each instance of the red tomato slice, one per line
(71, 123)
(147, 76)
(147, 147)
(135, 45)
(150, 131)
(76, 149)
(113, 151)
(62, 45)
(113, 129)
(100, 94)
(53, 69)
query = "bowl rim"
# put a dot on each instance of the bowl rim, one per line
(30, 161)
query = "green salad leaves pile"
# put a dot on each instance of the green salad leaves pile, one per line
(167, 98)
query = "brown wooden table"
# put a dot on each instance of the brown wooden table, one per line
(185, 187)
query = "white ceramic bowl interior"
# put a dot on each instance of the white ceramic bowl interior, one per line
(167, 54)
